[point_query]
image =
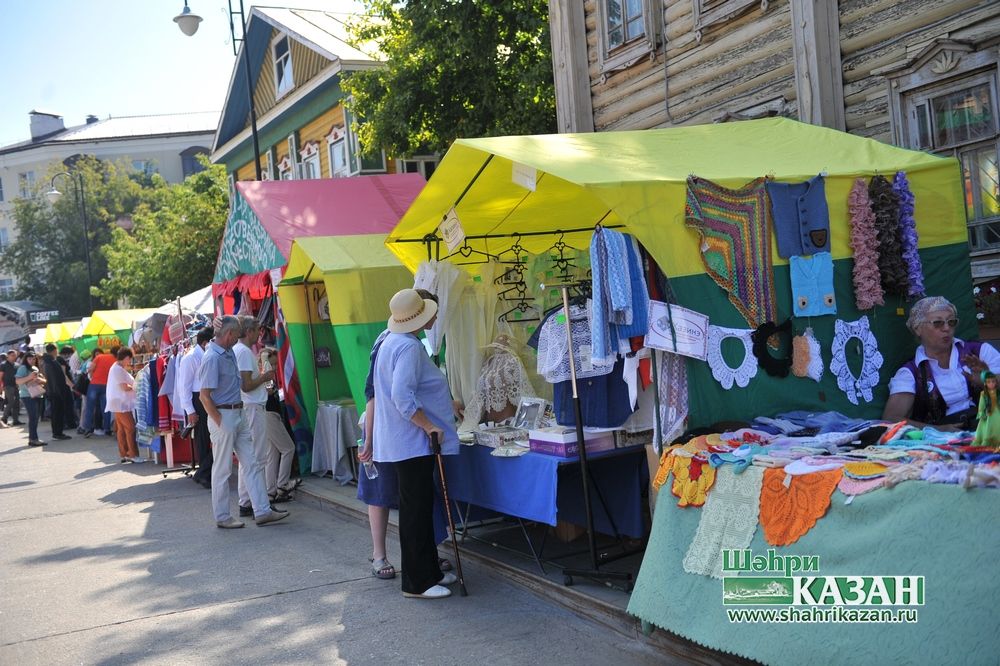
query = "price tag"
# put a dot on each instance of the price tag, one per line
(524, 175)
(451, 230)
(586, 359)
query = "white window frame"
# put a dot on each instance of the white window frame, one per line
(628, 53)
(26, 184)
(282, 85)
(286, 169)
(336, 141)
(421, 162)
(4, 238)
(309, 165)
(1, 189)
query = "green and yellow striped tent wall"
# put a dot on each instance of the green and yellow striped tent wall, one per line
(638, 180)
(358, 276)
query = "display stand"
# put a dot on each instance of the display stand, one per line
(594, 572)
(168, 437)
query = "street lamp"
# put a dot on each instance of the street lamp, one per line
(186, 21)
(188, 24)
(53, 195)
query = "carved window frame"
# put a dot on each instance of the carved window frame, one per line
(942, 67)
(719, 12)
(624, 56)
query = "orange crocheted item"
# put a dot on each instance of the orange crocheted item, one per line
(786, 513)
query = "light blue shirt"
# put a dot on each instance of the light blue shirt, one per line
(407, 380)
(218, 372)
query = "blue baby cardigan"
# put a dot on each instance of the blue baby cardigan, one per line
(801, 217)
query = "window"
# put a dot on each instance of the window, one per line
(189, 160)
(6, 288)
(627, 31)
(710, 12)
(283, 81)
(26, 184)
(310, 167)
(286, 169)
(4, 238)
(1, 189)
(958, 118)
(339, 167)
(144, 167)
(423, 165)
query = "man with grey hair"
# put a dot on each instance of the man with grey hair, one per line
(229, 428)
(253, 390)
(940, 385)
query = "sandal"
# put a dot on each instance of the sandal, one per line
(444, 564)
(382, 570)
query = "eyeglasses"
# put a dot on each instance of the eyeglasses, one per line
(939, 324)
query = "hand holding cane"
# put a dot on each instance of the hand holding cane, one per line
(436, 449)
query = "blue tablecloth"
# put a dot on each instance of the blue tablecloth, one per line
(546, 488)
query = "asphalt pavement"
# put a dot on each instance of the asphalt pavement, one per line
(108, 563)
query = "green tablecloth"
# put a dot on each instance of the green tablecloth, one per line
(943, 532)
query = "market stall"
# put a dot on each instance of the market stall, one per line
(811, 322)
(332, 297)
(266, 217)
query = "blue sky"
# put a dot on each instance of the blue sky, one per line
(116, 57)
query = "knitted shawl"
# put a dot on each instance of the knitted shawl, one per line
(864, 241)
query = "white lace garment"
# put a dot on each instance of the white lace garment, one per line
(503, 381)
(862, 385)
(553, 348)
(728, 520)
(724, 374)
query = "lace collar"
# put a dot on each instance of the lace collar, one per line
(862, 385)
(724, 374)
(807, 358)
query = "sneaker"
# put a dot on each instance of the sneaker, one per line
(125, 460)
(61, 436)
(448, 579)
(99, 433)
(434, 592)
(35, 442)
(18, 422)
(230, 523)
(87, 434)
(138, 459)
(271, 516)
(246, 511)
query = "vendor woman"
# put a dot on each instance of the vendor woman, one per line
(940, 385)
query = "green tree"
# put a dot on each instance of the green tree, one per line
(454, 68)
(48, 255)
(174, 242)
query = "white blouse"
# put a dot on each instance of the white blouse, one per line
(120, 400)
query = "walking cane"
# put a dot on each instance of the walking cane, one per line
(436, 449)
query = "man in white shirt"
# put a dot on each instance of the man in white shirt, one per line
(189, 389)
(253, 390)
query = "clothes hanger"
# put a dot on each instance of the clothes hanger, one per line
(467, 251)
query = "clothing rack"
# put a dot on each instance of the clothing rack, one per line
(433, 241)
(168, 437)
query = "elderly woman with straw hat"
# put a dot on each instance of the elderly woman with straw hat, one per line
(412, 403)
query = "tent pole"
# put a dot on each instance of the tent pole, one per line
(312, 336)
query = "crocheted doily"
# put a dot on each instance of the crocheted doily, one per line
(724, 374)
(862, 385)
(503, 381)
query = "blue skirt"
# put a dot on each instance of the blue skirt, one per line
(383, 490)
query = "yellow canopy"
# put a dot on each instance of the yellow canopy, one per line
(108, 322)
(638, 179)
(359, 273)
(61, 332)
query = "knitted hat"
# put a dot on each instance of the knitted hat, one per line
(410, 312)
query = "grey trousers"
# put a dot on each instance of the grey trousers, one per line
(12, 408)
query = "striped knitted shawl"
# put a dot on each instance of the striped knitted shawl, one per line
(735, 229)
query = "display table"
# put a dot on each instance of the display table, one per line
(334, 441)
(942, 532)
(545, 488)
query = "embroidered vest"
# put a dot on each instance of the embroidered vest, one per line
(928, 403)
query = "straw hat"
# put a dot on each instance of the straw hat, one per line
(410, 312)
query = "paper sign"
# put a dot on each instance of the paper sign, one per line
(451, 230)
(690, 327)
(524, 175)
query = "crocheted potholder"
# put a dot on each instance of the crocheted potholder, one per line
(862, 385)
(723, 373)
(788, 512)
(735, 228)
(807, 356)
(728, 520)
(864, 470)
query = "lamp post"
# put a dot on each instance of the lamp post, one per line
(188, 23)
(53, 195)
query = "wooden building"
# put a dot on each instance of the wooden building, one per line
(297, 58)
(921, 74)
